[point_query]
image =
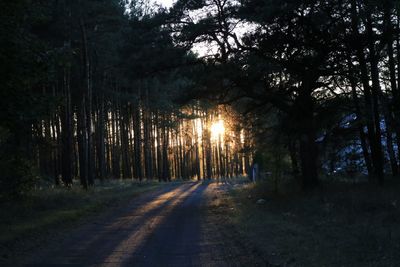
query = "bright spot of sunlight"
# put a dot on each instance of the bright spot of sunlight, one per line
(217, 130)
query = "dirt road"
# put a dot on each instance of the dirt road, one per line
(169, 227)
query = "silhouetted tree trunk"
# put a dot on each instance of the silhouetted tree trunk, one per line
(371, 97)
(138, 142)
(308, 147)
(67, 131)
(360, 121)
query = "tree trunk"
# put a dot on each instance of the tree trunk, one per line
(376, 91)
(308, 147)
(360, 122)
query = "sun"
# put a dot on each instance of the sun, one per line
(217, 129)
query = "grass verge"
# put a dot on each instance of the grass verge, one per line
(347, 225)
(26, 224)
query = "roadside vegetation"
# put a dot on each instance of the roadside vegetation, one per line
(50, 211)
(338, 225)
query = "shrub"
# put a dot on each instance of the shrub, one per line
(17, 177)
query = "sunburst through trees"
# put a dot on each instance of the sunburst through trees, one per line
(215, 143)
(143, 143)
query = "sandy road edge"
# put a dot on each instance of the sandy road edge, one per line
(38, 246)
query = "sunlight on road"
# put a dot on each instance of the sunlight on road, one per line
(134, 239)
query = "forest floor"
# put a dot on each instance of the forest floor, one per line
(171, 226)
(341, 225)
(51, 213)
(221, 224)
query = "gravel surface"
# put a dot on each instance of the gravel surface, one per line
(168, 227)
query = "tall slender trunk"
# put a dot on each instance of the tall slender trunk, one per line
(137, 143)
(371, 114)
(86, 132)
(308, 146)
(396, 95)
(376, 92)
(82, 144)
(360, 121)
(101, 148)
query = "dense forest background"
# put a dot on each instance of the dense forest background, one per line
(95, 89)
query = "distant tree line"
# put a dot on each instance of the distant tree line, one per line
(88, 91)
(98, 89)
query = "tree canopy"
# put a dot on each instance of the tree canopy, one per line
(110, 89)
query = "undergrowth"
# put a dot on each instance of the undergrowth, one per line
(25, 223)
(340, 224)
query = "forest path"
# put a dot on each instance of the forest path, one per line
(169, 227)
